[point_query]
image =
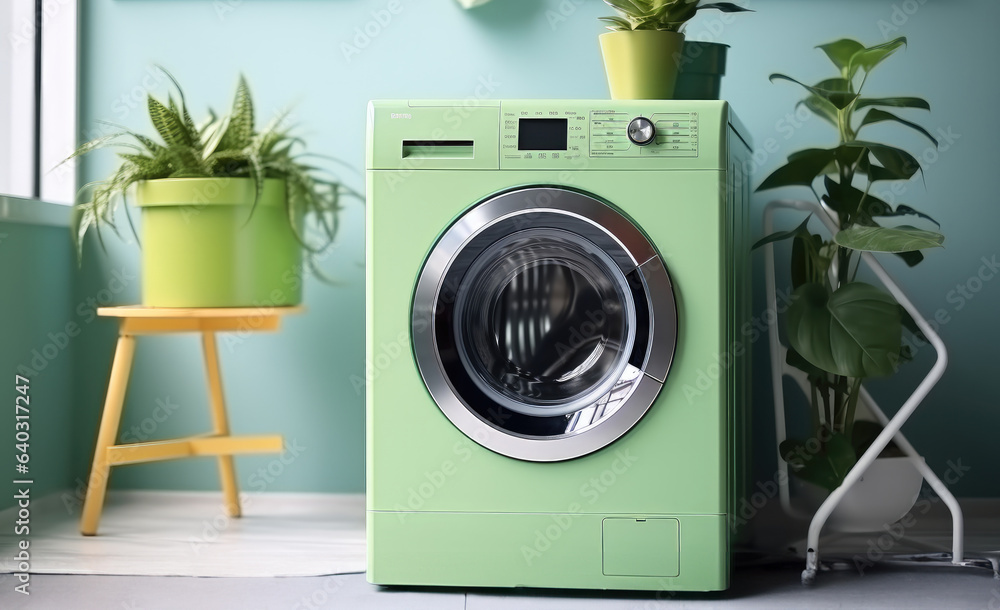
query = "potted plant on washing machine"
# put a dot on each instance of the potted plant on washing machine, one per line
(644, 50)
(843, 331)
(225, 206)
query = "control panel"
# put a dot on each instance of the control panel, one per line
(661, 134)
(544, 136)
(530, 133)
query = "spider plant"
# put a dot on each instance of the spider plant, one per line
(662, 15)
(842, 331)
(228, 146)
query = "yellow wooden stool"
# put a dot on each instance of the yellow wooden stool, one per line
(137, 320)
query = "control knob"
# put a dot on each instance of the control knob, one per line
(641, 131)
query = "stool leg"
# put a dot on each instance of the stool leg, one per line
(220, 423)
(98, 484)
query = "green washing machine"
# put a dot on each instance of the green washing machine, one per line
(556, 374)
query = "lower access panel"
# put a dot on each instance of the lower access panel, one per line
(641, 547)
(564, 550)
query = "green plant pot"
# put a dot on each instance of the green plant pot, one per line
(641, 64)
(702, 66)
(201, 247)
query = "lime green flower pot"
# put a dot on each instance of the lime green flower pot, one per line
(202, 247)
(642, 64)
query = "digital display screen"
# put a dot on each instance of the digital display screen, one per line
(542, 134)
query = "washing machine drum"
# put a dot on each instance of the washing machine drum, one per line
(544, 324)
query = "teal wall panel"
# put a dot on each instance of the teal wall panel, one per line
(40, 340)
(318, 55)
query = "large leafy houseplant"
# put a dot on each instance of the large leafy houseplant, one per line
(842, 331)
(643, 51)
(222, 154)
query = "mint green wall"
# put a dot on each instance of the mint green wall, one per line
(298, 381)
(36, 301)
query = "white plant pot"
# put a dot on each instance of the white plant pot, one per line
(883, 496)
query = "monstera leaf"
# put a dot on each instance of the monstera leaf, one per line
(888, 239)
(854, 332)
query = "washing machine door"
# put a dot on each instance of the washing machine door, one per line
(544, 324)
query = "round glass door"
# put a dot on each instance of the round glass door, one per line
(544, 324)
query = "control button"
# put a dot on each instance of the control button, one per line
(641, 131)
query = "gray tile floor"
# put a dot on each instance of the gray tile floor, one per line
(760, 587)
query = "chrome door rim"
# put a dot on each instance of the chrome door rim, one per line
(522, 207)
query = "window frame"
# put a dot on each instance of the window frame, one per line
(42, 75)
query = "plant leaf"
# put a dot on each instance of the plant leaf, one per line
(827, 467)
(617, 23)
(239, 132)
(905, 210)
(877, 116)
(167, 124)
(782, 235)
(835, 85)
(808, 263)
(821, 107)
(801, 169)
(725, 7)
(839, 99)
(912, 259)
(94, 144)
(888, 239)
(871, 57)
(855, 332)
(874, 172)
(841, 51)
(893, 102)
(849, 199)
(793, 358)
(897, 161)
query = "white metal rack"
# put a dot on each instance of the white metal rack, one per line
(891, 426)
